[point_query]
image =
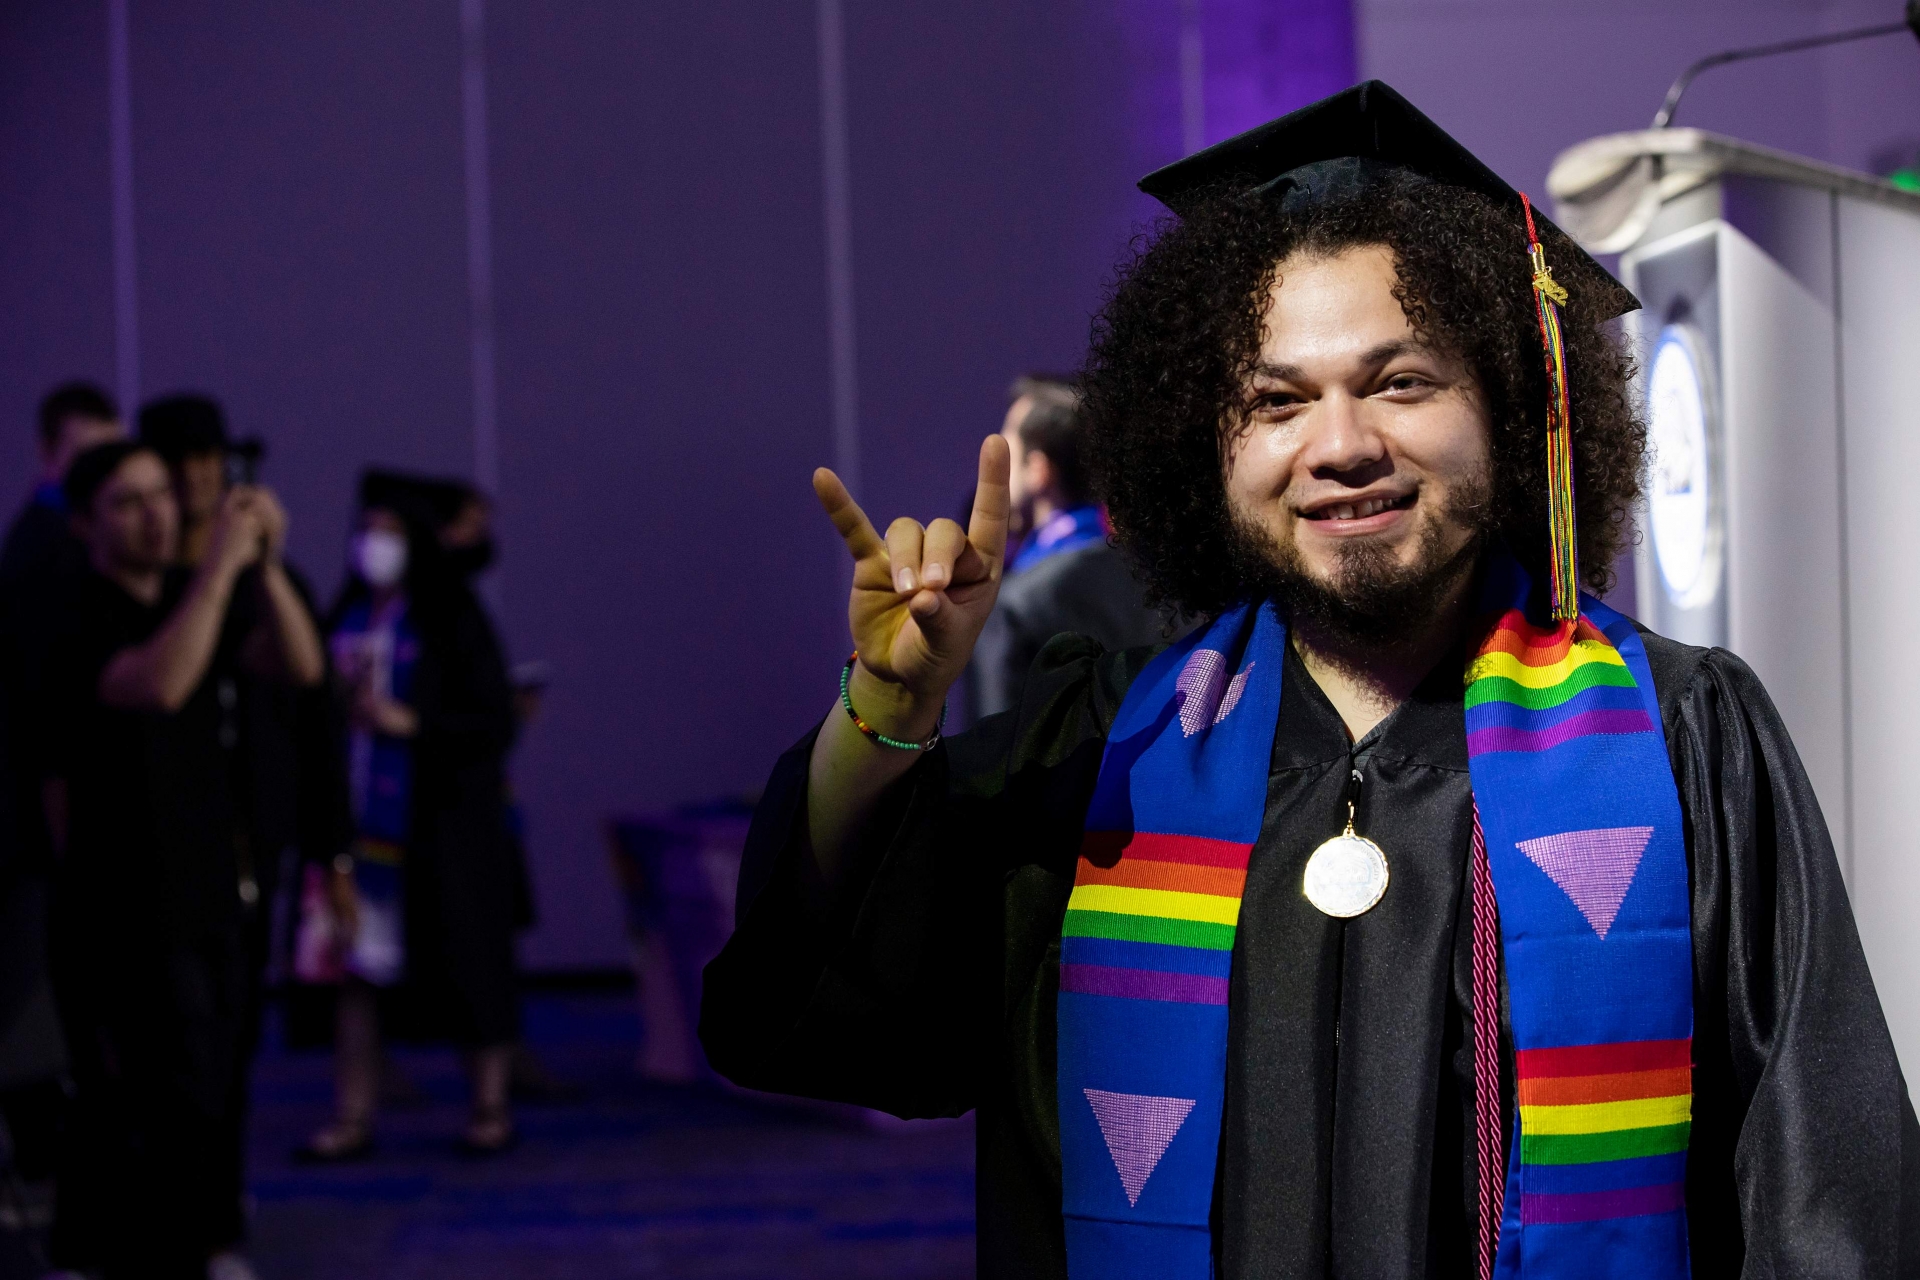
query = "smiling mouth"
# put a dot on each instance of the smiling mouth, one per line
(1361, 510)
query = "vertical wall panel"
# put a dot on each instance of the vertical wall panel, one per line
(661, 310)
(56, 275)
(301, 237)
(991, 194)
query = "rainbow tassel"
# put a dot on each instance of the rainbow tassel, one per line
(1548, 298)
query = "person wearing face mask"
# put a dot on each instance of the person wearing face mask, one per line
(463, 522)
(421, 908)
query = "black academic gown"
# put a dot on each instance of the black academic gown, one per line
(926, 986)
(461, 891)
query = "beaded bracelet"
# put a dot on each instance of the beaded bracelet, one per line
(846, 700)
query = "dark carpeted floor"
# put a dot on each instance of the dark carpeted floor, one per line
(634, 1179)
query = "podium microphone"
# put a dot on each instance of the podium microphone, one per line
(1667, 108)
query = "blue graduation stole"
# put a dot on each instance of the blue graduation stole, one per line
(1582, 822)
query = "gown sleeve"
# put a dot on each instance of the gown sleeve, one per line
(886, 989)
(1796, 1087)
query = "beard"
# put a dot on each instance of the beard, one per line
(1370, 597)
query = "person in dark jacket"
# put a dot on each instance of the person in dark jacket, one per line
(148, 933)
(424, 905)
(1067, 575)
(287, 771)
(40, 561)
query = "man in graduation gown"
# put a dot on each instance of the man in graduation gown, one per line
(1321, 412)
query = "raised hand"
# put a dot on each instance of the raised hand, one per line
(239, 531)
(273, 521)
(922, 594)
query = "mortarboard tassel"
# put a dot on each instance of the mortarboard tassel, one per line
(1548, 298)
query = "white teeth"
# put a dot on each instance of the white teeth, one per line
(1357, 510)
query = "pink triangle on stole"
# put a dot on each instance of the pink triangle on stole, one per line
(1138, 1128)
(1594, 868)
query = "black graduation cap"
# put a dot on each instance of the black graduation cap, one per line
(188, 423)
(1342, 145)
(426, 500)
(178, 426)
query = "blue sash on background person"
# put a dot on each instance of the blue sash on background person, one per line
(383, 651)
(1078, 527)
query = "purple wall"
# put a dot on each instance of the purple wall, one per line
(659, 274)
(55, 231)
(659, 269)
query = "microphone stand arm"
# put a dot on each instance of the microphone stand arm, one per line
(1667, 108)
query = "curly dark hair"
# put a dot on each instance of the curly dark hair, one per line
(1185, 319)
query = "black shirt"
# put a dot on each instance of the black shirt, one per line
(1090, 591)
(40, 563)
(152, 816)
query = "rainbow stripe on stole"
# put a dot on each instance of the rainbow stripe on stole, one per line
(1584, 842)
(1156, 924)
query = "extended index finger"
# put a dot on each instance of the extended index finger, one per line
(855, 529)
(992, 500)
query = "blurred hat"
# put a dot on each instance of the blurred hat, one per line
(428, 500)
(180, 426)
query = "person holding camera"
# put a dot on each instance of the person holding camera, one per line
(148, 812)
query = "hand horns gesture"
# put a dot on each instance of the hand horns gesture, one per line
(921, 595)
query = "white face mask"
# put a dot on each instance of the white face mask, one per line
(381, 558)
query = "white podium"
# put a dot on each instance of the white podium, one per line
(1779, 349)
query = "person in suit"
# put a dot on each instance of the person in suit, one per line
(1066, 575)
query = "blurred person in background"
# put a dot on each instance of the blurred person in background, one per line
(40, 559)
(287, 769)
(465, 528)
(189, 430)
(74, 417)
(463, 522)
(423, 908)
(290, 770)
(148, 940)
(1066, 576)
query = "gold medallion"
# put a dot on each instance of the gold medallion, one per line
(1347, 875)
